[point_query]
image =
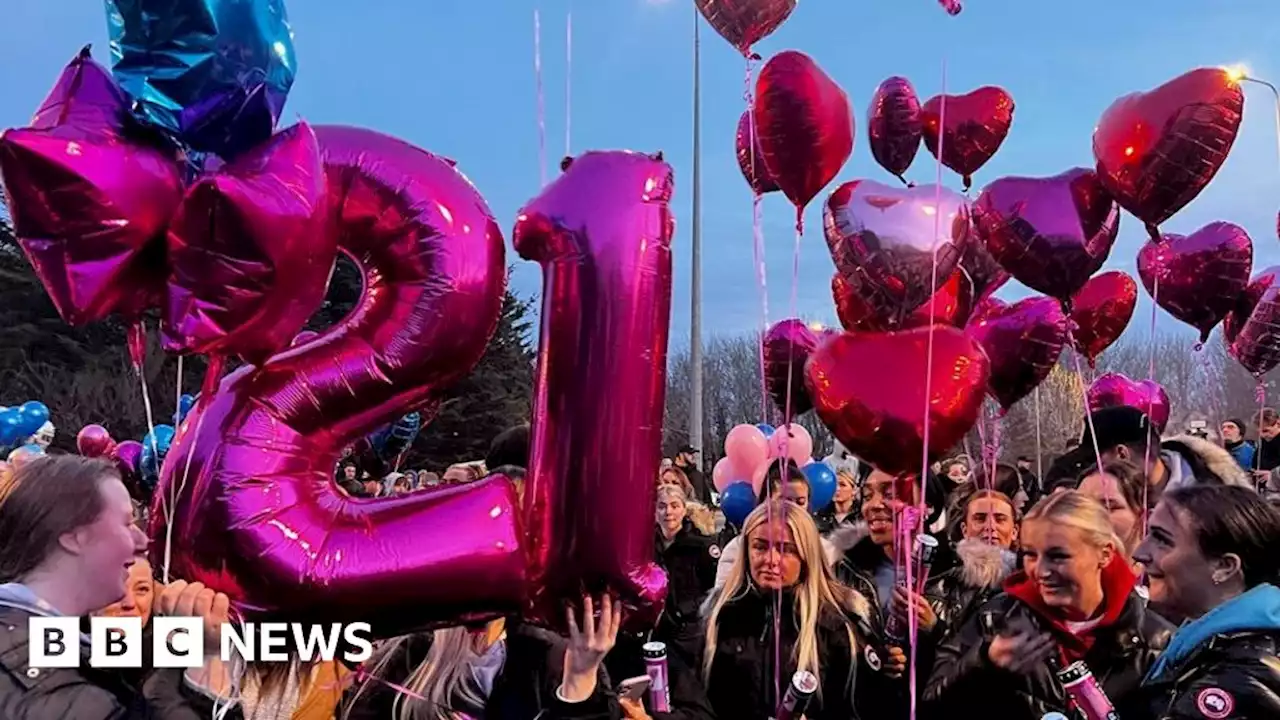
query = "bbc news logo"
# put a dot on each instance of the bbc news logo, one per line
(178, 642)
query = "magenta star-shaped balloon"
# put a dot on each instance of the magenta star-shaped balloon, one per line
(89, 198)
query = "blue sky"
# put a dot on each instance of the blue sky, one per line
(456, 77)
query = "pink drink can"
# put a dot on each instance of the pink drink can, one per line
(655, 666)
(796, 701)
(1086, 693)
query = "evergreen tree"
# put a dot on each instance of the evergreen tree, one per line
(84, 374)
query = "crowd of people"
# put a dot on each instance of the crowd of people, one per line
(1140, 567)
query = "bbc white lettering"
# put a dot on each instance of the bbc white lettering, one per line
(115, 642)
(179, 642)
(274, 635)
(352, 636)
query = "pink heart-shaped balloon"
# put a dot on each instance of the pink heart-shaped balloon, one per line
(984, 274)
(1023, 342)
(89, 201)
(1101, 311)
(250, 252)
(869, 390)
(894, 125)
(1157, 150)
(745, 22)
(1252, 329)
(804, 124)
(972, 127)
(1116, 390)
(1051, 233)
(885, 242)
(787, 347)
(1198, 278)
(750, 158)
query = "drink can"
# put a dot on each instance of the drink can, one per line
(655, 666)
(803, 685)
(1085, 692)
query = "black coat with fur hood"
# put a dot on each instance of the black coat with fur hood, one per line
(1202, 463)
(958, 593)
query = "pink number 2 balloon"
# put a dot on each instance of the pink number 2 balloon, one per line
(602, 233)
(260, 517)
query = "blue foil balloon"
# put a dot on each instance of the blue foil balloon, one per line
(737, 502)
(213, 73)
(767, 429)
(822, 485)
(10, 426)
(34, 415)
(153, 455)
(184, 406)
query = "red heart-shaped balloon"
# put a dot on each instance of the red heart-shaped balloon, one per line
(745, 22)
(750, 159)
(894, 125)
(1101, 311)
(1116, 390)
(950, 305)
(1052, 233)
(804, 124)
(89, 200)
(1157, 150)
(972, 127)
(1252, 329)
(1023, 342)
(984, 273)
(869, 390)
(1198, 278)
(787, 347)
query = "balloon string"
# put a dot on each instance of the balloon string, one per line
(177, 403)
(1151, 375)
(1039, 452)
(928, 367)
(1084, 393)
(568, 80)
(175, 495)
(757, 238)
(542, 114)
(146, 406)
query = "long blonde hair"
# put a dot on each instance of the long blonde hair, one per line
(1077, 510)
(817, 590)
(441, 678)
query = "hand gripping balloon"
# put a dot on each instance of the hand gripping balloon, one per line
(602, 233)
(261, 518)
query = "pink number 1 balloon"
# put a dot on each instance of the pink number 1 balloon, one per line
(602, 233)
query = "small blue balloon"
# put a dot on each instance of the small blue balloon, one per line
(737, 501)
(767, 429)
(213, 73)
(185, 403)
(11, 426)
(153, 454)
(822, 485)
(34, 415)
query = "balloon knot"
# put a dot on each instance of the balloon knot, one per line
(565, 163)
(86, 52)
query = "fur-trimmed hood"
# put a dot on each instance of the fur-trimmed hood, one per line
(984, 566)
(1206, 460)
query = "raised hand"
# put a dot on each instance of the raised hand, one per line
(588, 646)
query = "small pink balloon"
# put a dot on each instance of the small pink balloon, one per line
(747, 447)
(724, 474)
(1116, 390)
(791, 441)
(94, 441)
(128, 454)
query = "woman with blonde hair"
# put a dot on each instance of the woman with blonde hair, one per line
(843, 509)
(1074, 601)
(688, 555)
(820, 625)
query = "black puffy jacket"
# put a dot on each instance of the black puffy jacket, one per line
(1225, 664)
(85, 693)
(690, 561)
(745, 666)
(1235, 676)
(964, 678)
